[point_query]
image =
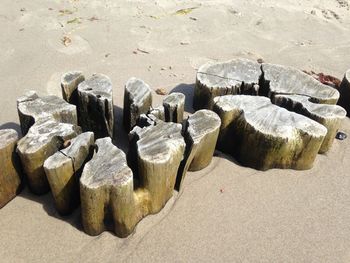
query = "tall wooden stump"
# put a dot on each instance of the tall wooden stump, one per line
(201, 134)
(174, 105)
(69, 85)
(262, 135)
(106, 190)
(95, 105)
(31, 108)
(10, 170)
(63, 170)
(137, 101)
(43, 139)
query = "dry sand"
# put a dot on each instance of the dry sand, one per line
(226, 213)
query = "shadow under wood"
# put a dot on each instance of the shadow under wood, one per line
(12, 125)
(120, 137)
(188, 91)
(47, 202)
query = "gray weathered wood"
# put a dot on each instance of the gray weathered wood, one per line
(330, 116)
(63, 170)
(137, 101)
(69, 85)
(10, 170)
(43, 139)
(201, 134)
(239, 76)
(278, 79)
(344, 91)
(95, 105)
(106, 190)
(262, 135)
(174, 105)
(31, 108)
(158, 112)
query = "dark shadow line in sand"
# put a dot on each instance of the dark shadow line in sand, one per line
(188, 91)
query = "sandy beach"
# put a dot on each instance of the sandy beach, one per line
(226, 212)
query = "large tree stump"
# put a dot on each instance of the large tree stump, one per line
(106, 190)
(329, 116)
(278, 79)
(10, 170)
(31, 108)
(344, 91)
(69, 85)
(43, 139)
(239, 76)
(137, 101)
(262, 135)
(174, 105)
(95, 105)
(201, 134)
(63, 170)
(160, 150)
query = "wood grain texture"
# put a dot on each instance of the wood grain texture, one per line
(69, 85)
(95, 105)
(43, 139)
(137, 101)
(201, 132)
(174, 106)
(63, 170)
(31, 108)
(330, 116)
(10, 170)
(262, 135)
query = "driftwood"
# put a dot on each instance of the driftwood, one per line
(344, 90)
(238, 76)
(158, 112)
(95, 106)
(107, 185)
(10, 171)
(329, 116)
(137, 101)
(43, 139)
(69, 86)
(174, 105)
(63, 170)
(262, 135)
(31, 108)
(201, 134)
(278, 79)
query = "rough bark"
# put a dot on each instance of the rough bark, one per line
(201, 132)
(31, 108)
(344, 91)
(137, 101)
(10, 170)
(174, 105)
(69, 85)
(95, 106)
(63, 170)
(43, 139)
(239, 76)
(330, 116)
(262, 135)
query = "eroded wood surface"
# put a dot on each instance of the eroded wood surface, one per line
(69, 85)
(344, 91)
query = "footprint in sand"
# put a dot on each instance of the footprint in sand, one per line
(76, 45)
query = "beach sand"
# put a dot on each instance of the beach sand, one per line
(226, 212)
